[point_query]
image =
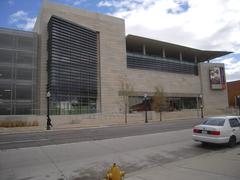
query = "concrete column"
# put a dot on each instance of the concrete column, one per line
(214, 101)
(197, 107)
(144, 49)
(180, 56)
(163, 53)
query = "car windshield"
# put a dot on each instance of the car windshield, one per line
(214, 122)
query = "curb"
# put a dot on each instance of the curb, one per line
(20, 130)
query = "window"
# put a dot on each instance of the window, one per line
(25, 58)
(23, 92)
(5, 92)
(214, 122)
(172, 103)
(179, 103)
(136, 61)
(5, 108)
(6, 56)
(24, 74)
(5, 72)
(234, 122)
(23, 109)
(6, 40)
(25, 43)
(189, 103)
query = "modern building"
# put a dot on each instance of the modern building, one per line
(82, 58)
(18, 71)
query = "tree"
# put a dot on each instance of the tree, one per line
(125, 91)
(159, 101)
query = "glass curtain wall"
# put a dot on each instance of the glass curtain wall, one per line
(173, 103)
(72, 67)
(17, 72)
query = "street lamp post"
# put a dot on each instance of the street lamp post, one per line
(145, 101)
(201, 106)
(49, 124)
(201, 111)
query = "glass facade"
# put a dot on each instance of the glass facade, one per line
(173, 103)
(18, 56)
(145, 62)
(72, 67)
(179, 103)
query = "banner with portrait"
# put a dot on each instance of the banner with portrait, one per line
(217, 78)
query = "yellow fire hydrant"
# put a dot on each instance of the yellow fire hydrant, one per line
(114, 173)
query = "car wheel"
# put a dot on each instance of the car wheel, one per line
(204, 144)
(232, 141)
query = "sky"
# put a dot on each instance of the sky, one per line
(201, 24)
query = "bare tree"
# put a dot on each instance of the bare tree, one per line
(159, 101)
(126, 91)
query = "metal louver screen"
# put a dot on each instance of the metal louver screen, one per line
(72, 63)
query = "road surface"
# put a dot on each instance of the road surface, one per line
(89, 160)
(36, 139)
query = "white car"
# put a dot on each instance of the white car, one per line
(218, 130)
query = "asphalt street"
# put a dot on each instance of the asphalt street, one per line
(168, 155)
(35, 139)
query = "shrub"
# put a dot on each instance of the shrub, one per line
(17, 123)
(35, 123)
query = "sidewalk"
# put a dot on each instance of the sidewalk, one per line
(61, 127)
(41, 128)
(218, 165)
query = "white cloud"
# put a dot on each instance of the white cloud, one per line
(122, 4)
(75, 2)
(232, 66)
(211, 25)
(17, 16)
(21, 20)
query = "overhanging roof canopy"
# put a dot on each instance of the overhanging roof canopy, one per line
(133, 41)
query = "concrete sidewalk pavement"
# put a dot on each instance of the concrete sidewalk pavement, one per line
(30, 129)
(223, 165)
(41, 128)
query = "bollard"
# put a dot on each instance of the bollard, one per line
(114, 173)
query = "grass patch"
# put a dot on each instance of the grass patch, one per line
(17, 123)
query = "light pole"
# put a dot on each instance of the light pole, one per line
(201, 106)
(49, 124)
(145, 101)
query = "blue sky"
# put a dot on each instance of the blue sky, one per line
(214, 25)
(32, 7)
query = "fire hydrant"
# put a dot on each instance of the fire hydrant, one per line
(114, 173)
